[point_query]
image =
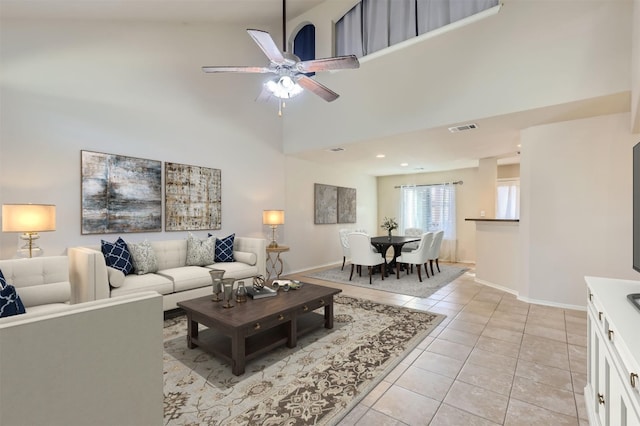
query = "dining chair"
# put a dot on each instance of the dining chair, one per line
(412, 232)
(361, 254)
(416, 257)
(344, 242)
(434, 252)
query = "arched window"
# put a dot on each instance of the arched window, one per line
(304, 44)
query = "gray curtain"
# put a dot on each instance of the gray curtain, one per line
(349, 33)
(373, 25)
(432, 14)
(402, 21)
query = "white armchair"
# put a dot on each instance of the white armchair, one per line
(361, 254)
(416, 257)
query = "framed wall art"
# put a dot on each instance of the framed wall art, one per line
(326, 204)
(346, 205)
(192, 198)
(120, 194)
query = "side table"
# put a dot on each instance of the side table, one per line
(274, 263)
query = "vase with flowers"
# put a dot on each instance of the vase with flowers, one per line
(389, 223)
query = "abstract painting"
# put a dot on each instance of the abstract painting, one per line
(326, 204)
(120, 194)
(192, 198)
(346, 205)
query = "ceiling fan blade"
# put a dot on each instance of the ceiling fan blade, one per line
(317, 88)
(260, 70)
(329, 64)
(268, 46)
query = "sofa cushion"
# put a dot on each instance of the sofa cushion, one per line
(236, 269)
(200, 252)
(35, 295)
(10, 302)
(117, 255)
(224, 249)
(188, 277)
(143, 257)
(138, 283)
(170, 253)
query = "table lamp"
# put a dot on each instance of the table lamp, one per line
(273, 218)
(29, 219)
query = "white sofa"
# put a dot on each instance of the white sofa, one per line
(41, 282)
(94, 363)
(174, 279)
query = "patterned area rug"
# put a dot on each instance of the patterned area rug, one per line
(407, 284)
(316, 383)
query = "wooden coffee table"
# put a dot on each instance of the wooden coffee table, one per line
(250, 329)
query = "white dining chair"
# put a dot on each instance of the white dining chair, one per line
(412, 232)
(416, 257)
(361, 254)
(434, 252)
(344, 242)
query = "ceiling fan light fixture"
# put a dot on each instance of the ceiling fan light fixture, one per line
(283, 87)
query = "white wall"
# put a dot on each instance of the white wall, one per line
(135, 90)
(576, 207)
(315, 245)
(499, 65)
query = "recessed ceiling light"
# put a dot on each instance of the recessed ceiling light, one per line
(380, 156)
(404, 164)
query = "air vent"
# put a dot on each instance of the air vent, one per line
(462, 128)
(335, 149)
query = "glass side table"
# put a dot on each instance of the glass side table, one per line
(274, 262)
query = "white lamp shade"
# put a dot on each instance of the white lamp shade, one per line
(273, 217)
(28, 217)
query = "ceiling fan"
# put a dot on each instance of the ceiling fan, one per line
(290, 72)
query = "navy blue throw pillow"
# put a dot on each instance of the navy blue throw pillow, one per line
(117, 255)
(10, 303)
(224, 249)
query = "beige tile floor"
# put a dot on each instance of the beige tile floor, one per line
(494, 360)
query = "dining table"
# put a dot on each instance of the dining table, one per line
(383, 243)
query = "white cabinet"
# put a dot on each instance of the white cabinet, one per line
(612, 394)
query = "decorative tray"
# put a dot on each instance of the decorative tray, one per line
(634, 298)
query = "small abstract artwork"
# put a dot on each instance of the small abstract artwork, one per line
(346, 205)
(120, 194)
(326, 204)
(192, 198)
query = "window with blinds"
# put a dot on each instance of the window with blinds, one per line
(430, 208)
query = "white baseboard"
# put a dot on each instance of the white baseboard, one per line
(496, 286)
(346, 265)
(529, 300)
(553, 304)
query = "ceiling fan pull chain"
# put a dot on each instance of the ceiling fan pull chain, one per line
(280, 108)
